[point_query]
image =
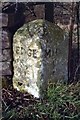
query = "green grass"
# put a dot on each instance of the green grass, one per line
(62, 102)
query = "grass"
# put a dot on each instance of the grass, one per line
(62, 102)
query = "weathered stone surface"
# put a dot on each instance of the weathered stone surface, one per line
(3, 19)
(5, 35)
(5, 68)
(5, 44)
(5, 55)
(40, 53)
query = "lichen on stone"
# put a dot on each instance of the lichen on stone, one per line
(39, 49)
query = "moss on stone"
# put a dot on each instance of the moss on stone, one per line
(40, 36)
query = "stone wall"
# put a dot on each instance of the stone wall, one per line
(9, 24)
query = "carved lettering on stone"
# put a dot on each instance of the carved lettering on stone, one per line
(40, 54)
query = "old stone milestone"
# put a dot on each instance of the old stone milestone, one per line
(40, 53)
